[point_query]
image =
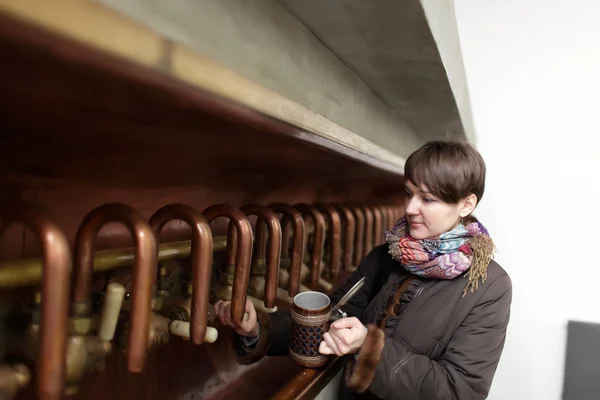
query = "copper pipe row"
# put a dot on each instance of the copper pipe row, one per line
(361, 227)
(353, 230)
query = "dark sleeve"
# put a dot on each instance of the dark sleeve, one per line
(376, 267)
(386, 367)
(276, 328)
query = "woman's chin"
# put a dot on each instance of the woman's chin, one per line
(419, 232)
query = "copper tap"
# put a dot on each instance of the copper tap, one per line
(359, 241)
(319, 227)
(266, 219)
(335, 238)
(201, 258)
(144, 274)
(56, 266)
(238, 257)
(293, 218)
(377, 225)
(369, 222)
(349, 229)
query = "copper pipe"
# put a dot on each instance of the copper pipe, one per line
(359, 240)
(385, 218)
(286, 231)
(201, 257)
(260, 237)
(377, 225)
(319, 227)
(268, 218)
(144, 272)
(57, 267)
(349, 229)
(292, 217)
(394, 212)
(390, 217)
(368, 230)
(335, 238)
(242, 254)
(398, 212)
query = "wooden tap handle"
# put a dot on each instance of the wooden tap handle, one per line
(115, 293)
(182, 329)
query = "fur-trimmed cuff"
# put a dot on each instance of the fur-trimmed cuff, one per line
(259, 350)
(359, 378)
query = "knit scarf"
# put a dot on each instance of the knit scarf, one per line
(463, 249)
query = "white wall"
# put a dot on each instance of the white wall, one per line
(442, 22)
(533, 72)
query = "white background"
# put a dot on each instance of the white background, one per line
(532, 70)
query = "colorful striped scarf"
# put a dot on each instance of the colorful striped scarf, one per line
(463, 249)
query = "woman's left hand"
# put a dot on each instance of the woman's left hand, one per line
(345, 336)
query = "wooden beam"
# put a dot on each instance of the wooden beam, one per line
(104, 29)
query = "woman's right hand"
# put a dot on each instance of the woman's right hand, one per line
(249, 326)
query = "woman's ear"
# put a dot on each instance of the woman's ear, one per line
(468, 205)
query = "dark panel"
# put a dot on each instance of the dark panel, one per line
(582, 374)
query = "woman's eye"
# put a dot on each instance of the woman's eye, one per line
(427, 200)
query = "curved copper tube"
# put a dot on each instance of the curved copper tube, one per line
(389, 214)
(359, 240)
(384, 221)
(242, 254)
(398, 211)
(350, 228)
(377, 225)
(335, 235)
(292, 217)
(144, 273)
(286, 229)
(260, 237)
(56, 267)
(268, 218)
(368, 230)
(392, 214)
(319, 227)
(201, 257)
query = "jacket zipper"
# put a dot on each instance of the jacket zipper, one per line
(419, 291)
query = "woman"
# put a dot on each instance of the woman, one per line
(430, 321)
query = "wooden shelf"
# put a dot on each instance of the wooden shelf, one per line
(88, 26)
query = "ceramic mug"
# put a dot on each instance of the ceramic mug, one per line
(310, 320)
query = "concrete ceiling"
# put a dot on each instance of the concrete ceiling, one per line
(389, 45)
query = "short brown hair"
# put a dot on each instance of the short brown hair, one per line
(450, 170)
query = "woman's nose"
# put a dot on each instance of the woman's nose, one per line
(411, 206)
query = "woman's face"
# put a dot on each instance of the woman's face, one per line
(428, 216)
